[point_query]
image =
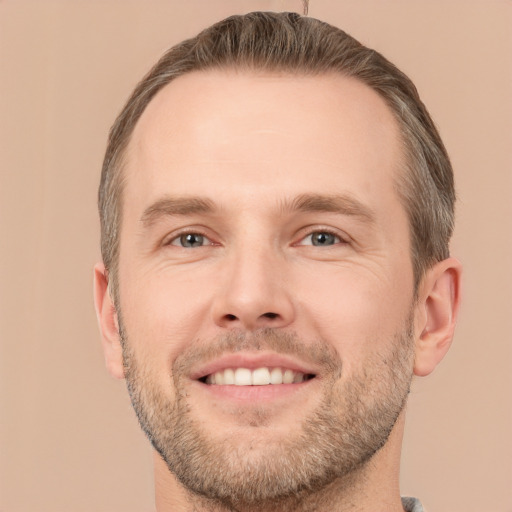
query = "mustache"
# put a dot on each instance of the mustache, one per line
(317, 352)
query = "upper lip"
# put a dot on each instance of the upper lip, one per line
(252, 361)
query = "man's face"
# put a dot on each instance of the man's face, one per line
(263, 240)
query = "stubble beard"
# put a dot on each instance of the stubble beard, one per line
(335, 441)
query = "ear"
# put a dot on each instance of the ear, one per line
(108, 323)
(436, 314)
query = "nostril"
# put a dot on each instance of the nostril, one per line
(249, 321)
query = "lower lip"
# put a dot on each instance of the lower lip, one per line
(254, 393)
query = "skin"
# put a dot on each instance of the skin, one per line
(251, 144)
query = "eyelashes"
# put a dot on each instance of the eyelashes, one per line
(321, 238)
(193, 239)
(190, 240)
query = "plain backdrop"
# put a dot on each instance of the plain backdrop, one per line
(69, 441)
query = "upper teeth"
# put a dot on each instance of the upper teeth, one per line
(257, 377)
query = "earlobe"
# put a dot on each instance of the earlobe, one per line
(437, 310)
(108, 323)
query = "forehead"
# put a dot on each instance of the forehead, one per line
(223, 130)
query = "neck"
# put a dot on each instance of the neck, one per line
(375, 486)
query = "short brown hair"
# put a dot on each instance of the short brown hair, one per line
(288, 42)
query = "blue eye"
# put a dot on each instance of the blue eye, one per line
(323, 239)
(190, 240)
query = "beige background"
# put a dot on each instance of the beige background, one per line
(68, 439)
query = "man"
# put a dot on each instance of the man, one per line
(276, 207)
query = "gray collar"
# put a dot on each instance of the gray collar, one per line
(412, 505)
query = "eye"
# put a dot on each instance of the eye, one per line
(190, 240)
(321, 239)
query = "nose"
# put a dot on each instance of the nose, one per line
(253, 292)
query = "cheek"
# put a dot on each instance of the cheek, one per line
(163, 312)
(358, 312)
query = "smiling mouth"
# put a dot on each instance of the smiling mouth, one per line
(263, 376)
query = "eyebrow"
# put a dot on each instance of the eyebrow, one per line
(344, 204)
(341, 204)
(172, 206)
